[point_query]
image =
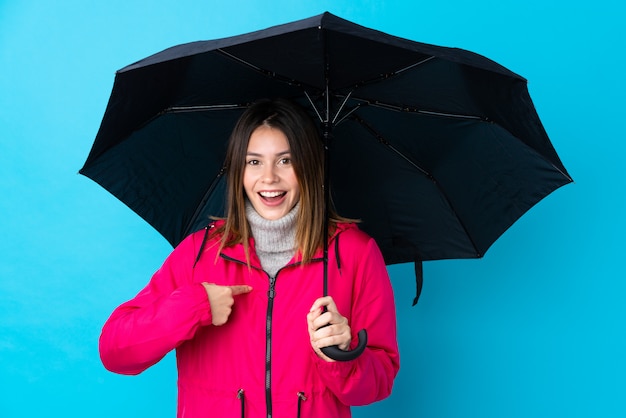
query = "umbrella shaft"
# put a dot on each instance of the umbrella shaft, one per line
(326, 133)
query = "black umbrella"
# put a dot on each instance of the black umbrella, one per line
(437, 150)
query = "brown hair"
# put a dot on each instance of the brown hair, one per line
(307, 155)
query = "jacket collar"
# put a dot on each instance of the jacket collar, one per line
(237, 252)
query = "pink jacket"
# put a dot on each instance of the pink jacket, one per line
(260, 363)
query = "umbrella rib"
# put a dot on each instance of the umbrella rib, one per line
(381, 139)
(337, 113)
(203, 201)
(391, 74)
(413, 109)
(267, 73)
(203, 108)
(362, 102)
(345, 100)
(240, 60)
(408, 67)
(195, 108)
(319, 116)
(349, 113)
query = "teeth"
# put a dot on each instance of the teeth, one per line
(271, 194)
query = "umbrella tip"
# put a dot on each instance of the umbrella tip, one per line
(419, 279)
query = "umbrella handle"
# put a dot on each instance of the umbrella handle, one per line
(336, 354)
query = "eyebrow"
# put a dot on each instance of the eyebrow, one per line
(256, 154)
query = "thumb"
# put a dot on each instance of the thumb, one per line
(240, 289)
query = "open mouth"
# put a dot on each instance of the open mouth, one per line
(272, 196)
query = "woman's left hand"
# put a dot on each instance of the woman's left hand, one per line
(336, 333)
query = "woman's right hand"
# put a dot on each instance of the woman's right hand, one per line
(222, 298)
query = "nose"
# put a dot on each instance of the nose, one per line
(269, 174)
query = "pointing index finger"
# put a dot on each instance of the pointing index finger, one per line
(240, 289)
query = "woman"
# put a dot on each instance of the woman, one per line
(240, 302)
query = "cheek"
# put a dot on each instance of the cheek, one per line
(248, 182)
(295, 185)
(296, 193)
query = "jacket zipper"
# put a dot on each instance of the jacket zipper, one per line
(301, 397)
(268, 346)
(241, 397)
(271, 294)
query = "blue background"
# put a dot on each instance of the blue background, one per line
(534, 329)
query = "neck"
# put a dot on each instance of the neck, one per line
(275, 240)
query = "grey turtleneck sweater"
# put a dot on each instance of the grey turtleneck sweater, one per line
(275, 240)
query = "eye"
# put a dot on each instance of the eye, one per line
(285, 160)
(253, 162)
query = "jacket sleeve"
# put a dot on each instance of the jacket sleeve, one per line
(167, 312)
(368, 378)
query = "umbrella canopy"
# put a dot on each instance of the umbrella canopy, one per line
(437, 150)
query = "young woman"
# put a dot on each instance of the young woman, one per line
(241, 301)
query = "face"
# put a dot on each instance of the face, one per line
(269, 178)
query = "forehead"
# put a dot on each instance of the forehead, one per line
(268, 140)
